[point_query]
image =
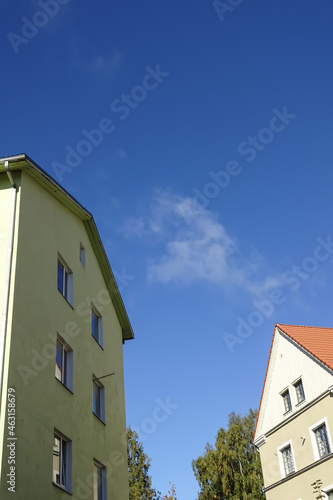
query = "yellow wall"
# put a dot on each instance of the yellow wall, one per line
(303, 451)
(300, 486)
(40, 311)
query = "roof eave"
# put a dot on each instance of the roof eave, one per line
(23, 162)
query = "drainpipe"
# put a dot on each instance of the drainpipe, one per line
(8, 272)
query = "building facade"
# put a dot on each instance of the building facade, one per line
(295, 420)
(62, 413)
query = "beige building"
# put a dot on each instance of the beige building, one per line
(63, 325)
(294, 429)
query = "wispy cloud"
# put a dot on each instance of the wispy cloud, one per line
(196, 247)
(101, 64)
(121, 153)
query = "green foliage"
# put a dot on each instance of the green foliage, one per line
(231, 470)
(171, 495)
(317, 488)
(140, 486)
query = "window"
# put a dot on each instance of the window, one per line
(286, 401)
(328, 492)
(288, 460)
(99, 481)
(64, 364)
(322, 441)
(62, 462)
(320, 438)
(82, 255)
(65, 281)
(299, 391)
(98, 399)
(96, 326)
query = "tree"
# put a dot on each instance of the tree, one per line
(140, 486)
(317, 488)
(231, 470)
(171, 495)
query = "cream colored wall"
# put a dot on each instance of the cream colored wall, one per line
(302, 449)
(40, 311)
(300, 488)
(287, 363)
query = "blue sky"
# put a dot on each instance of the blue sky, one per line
(200, 137)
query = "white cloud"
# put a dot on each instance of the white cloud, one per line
(197, 247)
(121, 153)
(135, 227)
(101, 64)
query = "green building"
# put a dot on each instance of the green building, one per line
(63, 324)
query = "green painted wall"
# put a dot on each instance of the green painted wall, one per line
(39, 312)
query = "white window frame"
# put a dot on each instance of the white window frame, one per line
(280, 457)
(66, 289)
(65, 484)
(66, 377)
(282, 393)
(295, 384)
(82, 255)
(100, 412)
(312, 431)
(98, 466)
(326, 490)
(99, 335)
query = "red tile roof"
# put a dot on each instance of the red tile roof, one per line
(317, 340)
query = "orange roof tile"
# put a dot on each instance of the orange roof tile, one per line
(317, 340)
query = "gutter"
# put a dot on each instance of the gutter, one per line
(15, 158)
(33, 167)
(8, 272)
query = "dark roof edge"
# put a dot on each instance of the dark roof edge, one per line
(24, 162)
(25, 158)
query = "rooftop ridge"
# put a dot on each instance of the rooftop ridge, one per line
(305, 326)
